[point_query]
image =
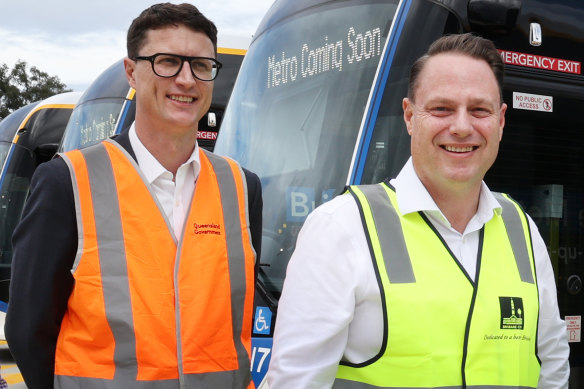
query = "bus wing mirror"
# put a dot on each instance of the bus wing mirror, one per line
(495, 16)
(45, 152)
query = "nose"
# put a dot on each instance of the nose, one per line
(185, 76)
(462, 124)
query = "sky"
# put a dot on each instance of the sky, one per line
(76, 40)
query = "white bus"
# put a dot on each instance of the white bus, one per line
(317, 106)
(29, 136)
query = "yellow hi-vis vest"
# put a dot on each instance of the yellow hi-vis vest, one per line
(441, 329)
(149, 310)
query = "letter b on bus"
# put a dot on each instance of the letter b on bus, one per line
(299, 203)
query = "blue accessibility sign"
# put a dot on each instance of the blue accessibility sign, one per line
(263, 321)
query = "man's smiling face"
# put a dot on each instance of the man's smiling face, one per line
(174, 104)
(456, 121)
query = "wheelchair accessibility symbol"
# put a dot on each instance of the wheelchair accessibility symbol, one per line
(263, 321)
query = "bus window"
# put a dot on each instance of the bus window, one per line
(295, 113)
(28, 137)
(92, 122)
(106, 107)
(4, 149)
(386, 143)
(8, 127)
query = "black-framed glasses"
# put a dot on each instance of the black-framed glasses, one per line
(169, 65)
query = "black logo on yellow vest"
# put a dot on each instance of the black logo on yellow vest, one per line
(207, 229)
(511, 313)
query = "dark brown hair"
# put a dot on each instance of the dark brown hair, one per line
(167, 14)
(466, 44)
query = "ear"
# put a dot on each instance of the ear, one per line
(408, 108)
(130, 68)
(502, 120)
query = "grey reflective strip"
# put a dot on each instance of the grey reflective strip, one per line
(234, 379)
(516, 234)
(391, 237)
(236, 256)
(67, 382)
(346, 384)
(112, 259)
(78, 215)
(227, 379)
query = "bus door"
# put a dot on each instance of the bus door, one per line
(28, 137)
(540, 161)
(540, 164)
(8, 127)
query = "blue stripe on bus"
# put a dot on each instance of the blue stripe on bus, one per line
(379, 88)
(7, 163)
(125, 110)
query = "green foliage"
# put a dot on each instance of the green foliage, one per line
(19, 86)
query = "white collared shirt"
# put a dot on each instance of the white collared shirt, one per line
(330, 308)
(174, 194)
(413, 197)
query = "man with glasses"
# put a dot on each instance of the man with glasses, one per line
(135, 259)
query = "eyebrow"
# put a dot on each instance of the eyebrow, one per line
(446, 100)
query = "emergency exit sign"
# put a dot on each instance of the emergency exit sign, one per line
(541, 62)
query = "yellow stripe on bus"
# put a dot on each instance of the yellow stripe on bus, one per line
(224, 50)
(69, 106)
(25, 121)
(131, 93)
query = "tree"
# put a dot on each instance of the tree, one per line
(19, 87)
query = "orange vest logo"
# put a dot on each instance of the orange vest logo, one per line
(207, 229)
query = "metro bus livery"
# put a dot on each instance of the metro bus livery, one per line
(29, 136)
(318, 105)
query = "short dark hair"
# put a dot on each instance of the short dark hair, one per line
(467, 44)
(167, 14)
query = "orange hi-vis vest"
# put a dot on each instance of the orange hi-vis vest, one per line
(148, 310)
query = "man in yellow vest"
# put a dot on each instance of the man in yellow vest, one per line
(429, 280)
(135, 260)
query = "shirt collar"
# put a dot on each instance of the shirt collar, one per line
(149, 165)
(412, 196)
